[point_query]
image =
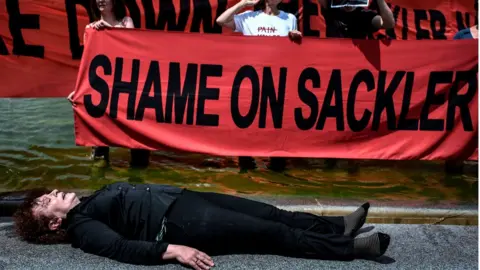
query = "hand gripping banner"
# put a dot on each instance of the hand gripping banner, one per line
(267, 96)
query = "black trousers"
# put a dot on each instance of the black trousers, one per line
(219, 224)
(276, 163)
(139, 158)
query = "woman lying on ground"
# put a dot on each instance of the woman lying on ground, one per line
(155, 224)
(111, 14)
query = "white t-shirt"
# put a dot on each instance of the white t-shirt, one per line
(257, 23)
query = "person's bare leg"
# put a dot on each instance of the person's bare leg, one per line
(277, 164)
(246, 163)
(139, 158)
(100, 153)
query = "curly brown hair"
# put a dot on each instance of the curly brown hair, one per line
(35, 229)
(119, 10)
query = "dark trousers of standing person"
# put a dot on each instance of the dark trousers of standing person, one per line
(139, 158)
(219, 224)
(277, 164)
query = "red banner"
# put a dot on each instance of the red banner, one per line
(267, 96)
(41, 41)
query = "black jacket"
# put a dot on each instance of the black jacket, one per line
(121, 220)
(356, 24)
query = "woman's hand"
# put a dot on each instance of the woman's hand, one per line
(295, 36)
(189, 256)
(249, 3)
(70, 98)
(99, 25)
(194, 258)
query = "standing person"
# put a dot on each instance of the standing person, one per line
(108, 14)
(356, 22)
(267, 20)
(154, 224)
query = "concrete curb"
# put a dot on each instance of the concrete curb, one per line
(327, 210)
(395, 215)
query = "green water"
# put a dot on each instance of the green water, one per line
(37, 149)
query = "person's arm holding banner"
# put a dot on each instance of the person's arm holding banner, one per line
(126, 22)
(90, 25)
(385, 19)
(70, 96)
(295, 35)
(227, 18)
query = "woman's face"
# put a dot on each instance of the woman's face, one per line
(55, 204)
(105, 5)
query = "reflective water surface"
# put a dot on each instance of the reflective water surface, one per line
(37, 149)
